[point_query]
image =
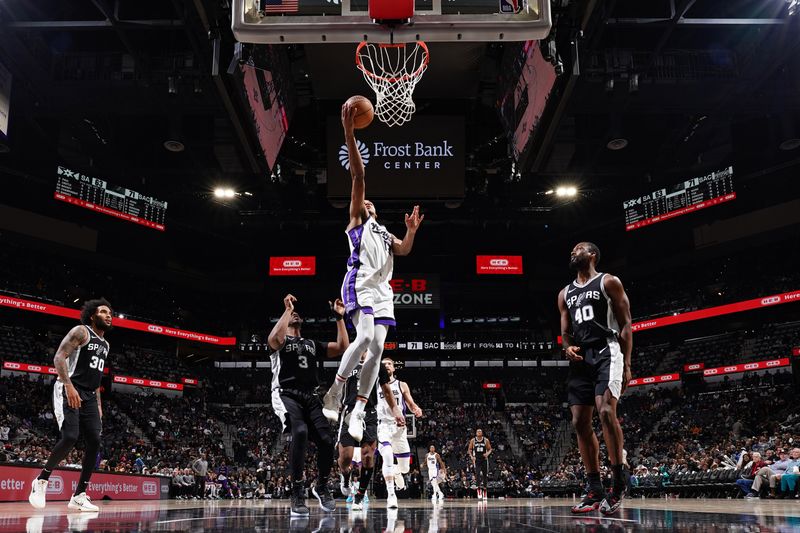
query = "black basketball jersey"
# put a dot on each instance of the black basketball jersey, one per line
(86, 364)
(479, 446)
(590, 313)
(295, 364)
(351, 390)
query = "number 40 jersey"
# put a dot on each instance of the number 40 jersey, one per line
(295, 366)
(590, 313)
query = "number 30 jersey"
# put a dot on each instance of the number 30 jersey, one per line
(86, 364)
(591, 316)
(294, 366)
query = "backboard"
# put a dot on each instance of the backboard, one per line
(347, 21)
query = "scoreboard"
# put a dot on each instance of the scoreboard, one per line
(679, 199)
(98, 195)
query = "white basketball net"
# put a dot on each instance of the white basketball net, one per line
(393, 70)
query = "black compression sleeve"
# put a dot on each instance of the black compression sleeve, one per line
(383, 376)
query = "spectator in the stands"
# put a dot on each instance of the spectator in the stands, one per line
(789, 479)
(749, 475)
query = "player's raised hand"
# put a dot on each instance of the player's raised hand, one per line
(413, 221)
(289, 301)
(348, 116)
(572, 353)
(337, 306)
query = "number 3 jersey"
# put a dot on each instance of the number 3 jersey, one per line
(590, 313)
(86, 364)
(294, 366)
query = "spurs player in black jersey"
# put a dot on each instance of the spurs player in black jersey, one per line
(295, 380)
(598, 339)
(480, 449)
(79, 361)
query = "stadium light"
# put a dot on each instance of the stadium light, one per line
(219, 192)
(566, 192)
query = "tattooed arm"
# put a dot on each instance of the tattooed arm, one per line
(77, 337)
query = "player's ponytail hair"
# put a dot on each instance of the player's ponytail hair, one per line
(90, 308)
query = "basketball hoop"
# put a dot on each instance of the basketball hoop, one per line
(393, 70)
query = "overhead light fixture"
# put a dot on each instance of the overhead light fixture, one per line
(566, 191)
(120, 315)
(617, 144)
(173, 145)
(172, 85)
(220, 192)
(609, 84)
(790, 144)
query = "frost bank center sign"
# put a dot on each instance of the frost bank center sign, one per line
(424, 158)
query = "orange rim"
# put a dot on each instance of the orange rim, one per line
(416, 73)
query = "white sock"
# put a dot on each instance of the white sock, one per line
(390, 486)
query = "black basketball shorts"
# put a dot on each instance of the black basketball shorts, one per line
(370, 428)
(600, 370)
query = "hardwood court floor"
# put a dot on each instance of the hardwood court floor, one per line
(413, 516)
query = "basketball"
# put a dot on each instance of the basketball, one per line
(364, 113)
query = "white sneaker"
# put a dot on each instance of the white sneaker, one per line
(391, 502)
(38, 493)
(399, 481)
(330, 405)
(343, 486)
(357, 506)
(82, 502)
(34, 524)
(356, 426)
(441, 497)
(80, 522)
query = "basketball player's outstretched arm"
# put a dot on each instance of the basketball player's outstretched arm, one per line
(570, 350)
(489, 450)
(621, 307)
(335, 349)
(470, 451)
(441, 462)
(412, 225)
(77, 337)
(277, 337)
(356, 167)
(409, 399)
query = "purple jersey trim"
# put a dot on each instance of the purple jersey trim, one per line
(402, 455)
(386, 322)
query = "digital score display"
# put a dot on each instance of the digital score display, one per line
(98, 195)
(682, 198)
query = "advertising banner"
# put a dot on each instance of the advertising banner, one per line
(654, 380)
(50, 309)
(746, 367)
(15, 485)
(293, 266)
(423, 159)
(499, 264)
(144, 382)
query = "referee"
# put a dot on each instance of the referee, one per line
(295, 379)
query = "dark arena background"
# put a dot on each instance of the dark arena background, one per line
(186, 161)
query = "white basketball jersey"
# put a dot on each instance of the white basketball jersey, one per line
(371, 252)
(433, 465)
(384, 413)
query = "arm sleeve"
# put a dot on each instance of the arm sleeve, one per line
(383, 376)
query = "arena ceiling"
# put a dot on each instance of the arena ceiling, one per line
(102, 84)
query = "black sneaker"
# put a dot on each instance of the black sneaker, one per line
(612, 502)
(590, 502)
(326, 501)
(299, 507)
